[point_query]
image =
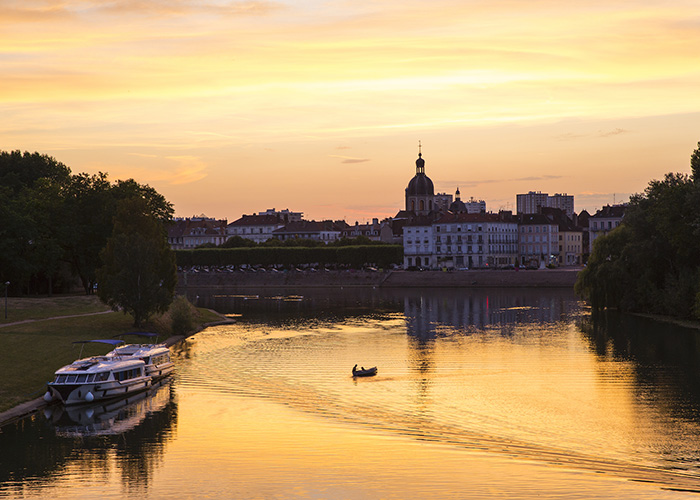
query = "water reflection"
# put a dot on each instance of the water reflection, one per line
(478, 393)
(126, 435)
(427, 311)
(664, 364)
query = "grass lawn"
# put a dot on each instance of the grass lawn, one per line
(31, 352)
(24, 308)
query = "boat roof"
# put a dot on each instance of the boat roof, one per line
(99, 364)
(113, 342)
(142, 334)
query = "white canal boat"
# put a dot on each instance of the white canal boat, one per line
(156, 356)
(98, 378)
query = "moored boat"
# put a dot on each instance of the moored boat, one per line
(156, 356)
(98, 378)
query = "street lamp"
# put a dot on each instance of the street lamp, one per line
(7, 284)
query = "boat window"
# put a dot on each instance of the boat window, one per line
(82, 378)
(127, 374)
(91, 377)
(101, 377)
(60, 379)
(71, 379)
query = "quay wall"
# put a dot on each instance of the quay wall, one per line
(541, 278)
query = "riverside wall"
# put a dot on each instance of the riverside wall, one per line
(541, 278)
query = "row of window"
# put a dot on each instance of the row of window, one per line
(610, 224)
(534, 249)
(539, 229)
(128, 374)
(82, 378)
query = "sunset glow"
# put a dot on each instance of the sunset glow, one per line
(232, 107)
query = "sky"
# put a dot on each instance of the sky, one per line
(317, 106)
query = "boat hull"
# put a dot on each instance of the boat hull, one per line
(158, 372)
(71, 394)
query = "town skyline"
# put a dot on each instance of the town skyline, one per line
(227, 107)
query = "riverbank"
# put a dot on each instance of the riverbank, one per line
(541, 278)
(27, 408)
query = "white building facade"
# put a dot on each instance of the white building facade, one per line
(460, 241)
(418, 246)
(258, 228)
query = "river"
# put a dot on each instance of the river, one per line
(489, 393)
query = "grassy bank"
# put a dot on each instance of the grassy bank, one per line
(23, 309)
(33, 350)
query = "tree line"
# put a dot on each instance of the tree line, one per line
(58, 227)
(651, 262)
(291, 255)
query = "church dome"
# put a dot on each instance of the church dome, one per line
(458, 205)
(420, 185)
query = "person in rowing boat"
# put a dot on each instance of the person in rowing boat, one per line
(354, 369)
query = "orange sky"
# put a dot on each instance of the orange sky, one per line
(317, 106)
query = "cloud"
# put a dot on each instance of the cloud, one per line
(189, 169)
(349, 159)
(40, 10)
(616, 131)
(570, 136)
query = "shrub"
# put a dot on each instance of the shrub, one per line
(182, 316)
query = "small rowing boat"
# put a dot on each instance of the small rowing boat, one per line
(364, 372)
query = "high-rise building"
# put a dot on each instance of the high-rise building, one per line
(533, 201)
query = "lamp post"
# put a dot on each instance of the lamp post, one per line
(7, 284)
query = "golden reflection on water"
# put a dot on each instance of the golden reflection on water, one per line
(477, 396)
(452, 405)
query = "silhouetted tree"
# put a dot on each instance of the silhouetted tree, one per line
(138, 274)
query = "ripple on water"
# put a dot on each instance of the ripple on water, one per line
(529, 396)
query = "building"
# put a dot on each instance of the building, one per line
(420, 192)
(471, 207)
(534, 201)
(418, 244)
(442, 202)
(605, 220)
(538, 238)
(284, 215)
(570, 236)
(188, 233)
(462, 240)
(530, 203)
(326, 231)
(375, 231)
(258, 228)
(563, 202)
(570, 246)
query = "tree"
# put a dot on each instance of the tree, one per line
(29, 249)
(138, 274)
(90, 202)
(651, 263)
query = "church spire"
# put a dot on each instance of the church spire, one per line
(420, 162)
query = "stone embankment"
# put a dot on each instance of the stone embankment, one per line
(542, 278)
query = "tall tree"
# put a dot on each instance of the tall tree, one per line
(651, 262)
(26, 248)
(138, 274)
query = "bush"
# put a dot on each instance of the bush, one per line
(182, 316)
